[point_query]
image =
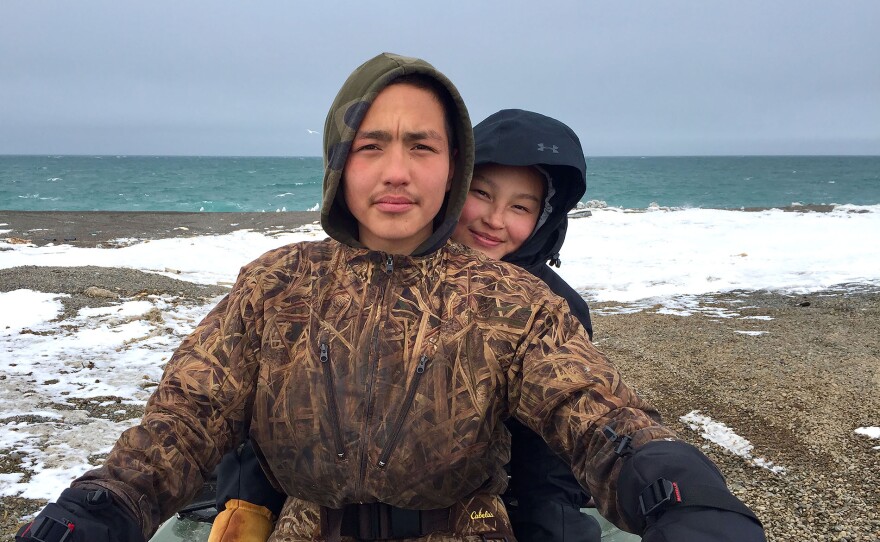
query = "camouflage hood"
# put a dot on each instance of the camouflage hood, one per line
(344, 119)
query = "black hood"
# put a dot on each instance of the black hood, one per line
(514, 137)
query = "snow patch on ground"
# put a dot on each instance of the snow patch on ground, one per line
(26, 308)
(725, 437)
(870, 432)
(116, 351)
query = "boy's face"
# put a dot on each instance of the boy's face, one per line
(398, 170)
(501, 209)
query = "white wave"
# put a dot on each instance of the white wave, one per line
(615, 255)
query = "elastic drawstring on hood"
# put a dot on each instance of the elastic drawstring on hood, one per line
(514, 137)
(345, 117)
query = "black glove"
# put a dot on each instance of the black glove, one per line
(240, 476)
(81, 516)
(674, 492)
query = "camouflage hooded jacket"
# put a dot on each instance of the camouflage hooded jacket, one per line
(363, 377)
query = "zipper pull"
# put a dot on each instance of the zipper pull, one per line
(389, 264)
(422, 362)
(623, 447)
(325, 357)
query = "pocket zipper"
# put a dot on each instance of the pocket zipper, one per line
(331, 399)
(404, 410)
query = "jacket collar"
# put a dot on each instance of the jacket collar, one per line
(372, 266)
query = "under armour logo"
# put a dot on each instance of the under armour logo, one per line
(553, 148)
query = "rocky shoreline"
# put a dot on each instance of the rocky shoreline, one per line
(795, 375)
(796, 393)
(104, 228)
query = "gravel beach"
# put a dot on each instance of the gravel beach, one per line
(796, 391)
(91, 229)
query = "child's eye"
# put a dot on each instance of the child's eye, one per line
(481, 193)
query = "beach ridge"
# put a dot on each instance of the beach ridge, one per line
(97, 228)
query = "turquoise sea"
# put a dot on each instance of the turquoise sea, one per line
(237, 184)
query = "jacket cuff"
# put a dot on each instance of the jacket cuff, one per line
(663, 476)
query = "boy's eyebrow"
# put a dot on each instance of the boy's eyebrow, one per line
(425, 134)
(378, 135)
(385, 135)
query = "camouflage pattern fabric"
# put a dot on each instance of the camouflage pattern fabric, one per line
(363, 378)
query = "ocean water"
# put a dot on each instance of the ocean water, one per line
(254, 184)
(159, 183)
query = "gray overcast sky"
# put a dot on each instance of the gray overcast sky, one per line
(643, 77)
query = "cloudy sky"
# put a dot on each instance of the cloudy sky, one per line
(643, 77)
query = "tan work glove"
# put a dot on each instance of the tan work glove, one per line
(242, 521)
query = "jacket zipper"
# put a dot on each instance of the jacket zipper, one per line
(374, 353)
(331, 399)
(404, 411)
(374, 361)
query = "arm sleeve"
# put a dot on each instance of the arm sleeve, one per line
(576, 304)
(570, 392)
(567, 392)
(199, 411)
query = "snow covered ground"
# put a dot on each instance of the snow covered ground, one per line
(636, 260)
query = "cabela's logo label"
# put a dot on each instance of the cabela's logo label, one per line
(482, 514)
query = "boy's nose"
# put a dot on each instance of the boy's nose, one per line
(396, 167)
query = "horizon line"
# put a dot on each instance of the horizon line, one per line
(123, 155)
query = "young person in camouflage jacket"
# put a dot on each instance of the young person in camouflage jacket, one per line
(378, 366)
(517, 211)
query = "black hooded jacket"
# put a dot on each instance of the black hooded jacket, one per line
(544, 498)
(514, 137)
